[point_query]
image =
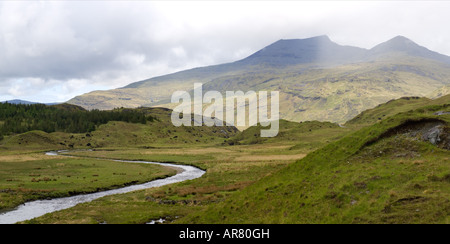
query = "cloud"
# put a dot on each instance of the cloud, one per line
(54, 50)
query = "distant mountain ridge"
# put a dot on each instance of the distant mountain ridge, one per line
(318, 79)
(321, 50)
(18, 101)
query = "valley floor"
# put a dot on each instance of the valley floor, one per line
(229, 169)
(313, 172)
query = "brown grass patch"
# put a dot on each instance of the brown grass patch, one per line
(192, 190)
(187, 151)
(270, 157)
(25, 157)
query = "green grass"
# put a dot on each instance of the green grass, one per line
(304, 136)
(229, 170)
(394, 180)
(393, 107)
(32, 177)
(388, 109)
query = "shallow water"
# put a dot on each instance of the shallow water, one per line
(35, 209)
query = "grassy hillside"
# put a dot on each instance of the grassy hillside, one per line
(229, 169)
(303, 136)
(388, 109)
(384, 173)
(156, 132)
(394, 107)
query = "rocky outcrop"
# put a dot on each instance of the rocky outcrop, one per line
(434, 131)
(438, 135)
(433, 135)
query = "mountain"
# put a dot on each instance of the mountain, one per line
(440, 92)
(317, 78)
(316, 50)
(18, 101)
(407, 47)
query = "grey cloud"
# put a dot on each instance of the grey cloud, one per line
(65, 40)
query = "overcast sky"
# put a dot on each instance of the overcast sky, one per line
(51, 51)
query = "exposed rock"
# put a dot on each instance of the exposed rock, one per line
(440, 113)
(437, 132)
(433, 135)
(438, 135)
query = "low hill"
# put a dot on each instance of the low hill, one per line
(388, 109)
(68, 107)
(155, 132)
(394, 107)
(395, 171)
(31, 139)
(306, 135)
(20, 118)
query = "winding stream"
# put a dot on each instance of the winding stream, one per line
(38, 208)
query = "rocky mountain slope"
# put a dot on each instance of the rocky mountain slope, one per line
(317, 78)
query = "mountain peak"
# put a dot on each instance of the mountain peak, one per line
(314, 38)
(400, 38)
(401, 44)
(322, 37)
(295, 43)
(319, 49)
(398, 44)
